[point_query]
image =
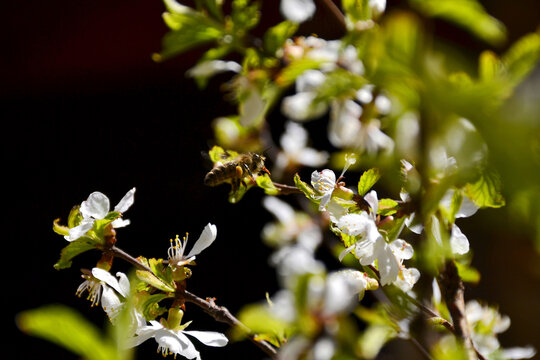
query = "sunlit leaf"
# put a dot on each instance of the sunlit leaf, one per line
(486, 192)
(67, 328)
(74, 248)
(368, 179)
(469, 14)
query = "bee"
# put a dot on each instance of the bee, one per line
(236, 170)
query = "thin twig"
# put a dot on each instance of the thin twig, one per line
(287, 189)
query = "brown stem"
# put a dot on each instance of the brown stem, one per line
(334, 11)
(453, 290)
(219, 313)
(222, 314)
(287, 189)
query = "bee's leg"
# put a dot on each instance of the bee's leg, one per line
(235, 184)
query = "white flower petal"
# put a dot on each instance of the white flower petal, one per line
(467, 208)
(252, 109)
(96, 206)
(309, 81)
(297, 10)
(299, 106)
(126, 201)
(387, 263)
(120, 223)
(458, 241)
(124, 284)
(209, 338)
(515, 353)
(212, 67)
(279, 208)
(373, 201)
(402, 249)
(175, 343)
(79, 230)
(294, 138)
(345, 252)
(206, 239)
(188, 350)
(311, 157)
(107, 278)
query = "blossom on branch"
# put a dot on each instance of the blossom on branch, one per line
(96, 207)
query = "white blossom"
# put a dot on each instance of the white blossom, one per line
(370, 245)
(485, 323)
(175, 342)
(178, 247)
(96, 207)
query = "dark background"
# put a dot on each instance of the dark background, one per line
(85, 109)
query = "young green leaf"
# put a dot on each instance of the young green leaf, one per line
(387, 207)
(469, 14)
(304, 187)
(522, 57)
(74, 248)
(486, 192)
(367, 180)
(275, 37)
(265, 183)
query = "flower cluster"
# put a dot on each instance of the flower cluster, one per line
(115, 294)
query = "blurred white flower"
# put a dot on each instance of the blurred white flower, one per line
(485, 323)
(297, 10)
(295, 151)
(212, 67)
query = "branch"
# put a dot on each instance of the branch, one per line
(222, 314)
(453, 290)
(219, 313)
(287, 189)
(335, 12)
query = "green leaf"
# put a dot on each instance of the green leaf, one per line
(467, 273)
(153, 280)
(260, 320)
(188, 30)
(486, 192)
(74, 248)
(522, 57)
(150, 307)
(265, 183)
(67, 328)
(304, 187)
(245, 15)
(275, 37)
(339, 83)
(387, 207)
(367, 180)
(218, 154)
(468, 14)
(356, 10)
